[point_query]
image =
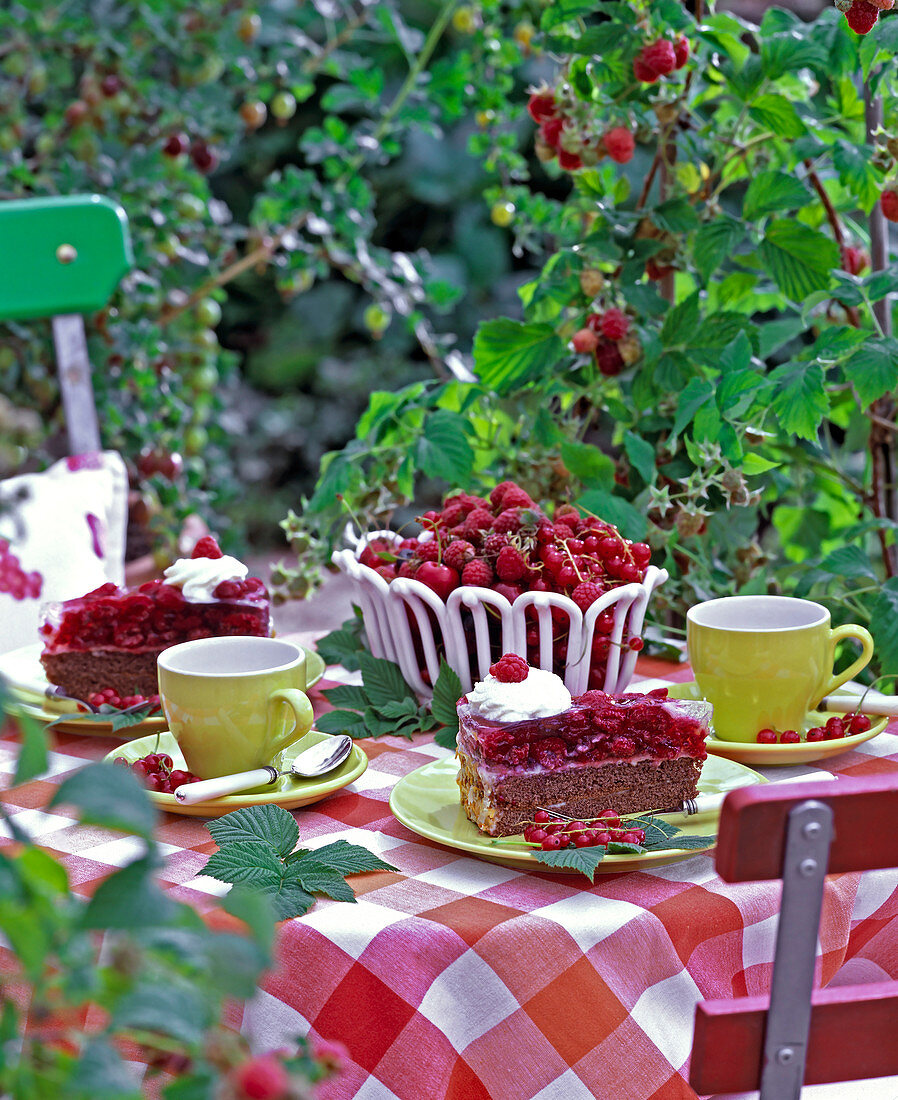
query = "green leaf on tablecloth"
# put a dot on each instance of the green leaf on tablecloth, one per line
(383, 680)
(110, 796)
(585, 860)
(343, 646)
(348, 859)
(251, 863)
(253, 852)
(446, 738)
(399, 708)
(346, 696)
(318, 879)
(288, 900)
(272, 825)
(446, 693)
(342, 721)
(378, 726)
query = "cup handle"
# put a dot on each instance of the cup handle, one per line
(848, 630)
(279, 704)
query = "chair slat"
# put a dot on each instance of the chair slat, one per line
(864, 816)
(853, 1036)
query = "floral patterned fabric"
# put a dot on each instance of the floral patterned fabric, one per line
(62, 533)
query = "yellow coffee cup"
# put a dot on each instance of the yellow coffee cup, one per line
(233, 704)
(765, 661)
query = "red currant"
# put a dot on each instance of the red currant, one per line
(766, 737)
(790, 737)
(859, 723)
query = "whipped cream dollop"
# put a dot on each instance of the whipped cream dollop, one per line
(540, 695)
(199, 577)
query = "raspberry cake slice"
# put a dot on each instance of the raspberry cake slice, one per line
(524, 743)
(110, 638)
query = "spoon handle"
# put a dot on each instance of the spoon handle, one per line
(189, 794)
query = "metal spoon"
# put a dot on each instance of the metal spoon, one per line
(318, 759)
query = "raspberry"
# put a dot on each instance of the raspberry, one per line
(584, 341)
(510, 669)
(207, 547)
(550, 132)
(508, 521)
(620, 144)
(681, 51)
(888, 202)
(510, 564)
(614, 324)
(586, 593)
(458, 553)
(642, 72)
(477, 573)
(516, 497)
(861, 16)
(497, 495)
(660, 57)
(452, 515)
(570, 162)
(479, 520)
(854, 259)
(541, 106)
(262, 1078)
(492, 544)
(428, 551)
(609, 359)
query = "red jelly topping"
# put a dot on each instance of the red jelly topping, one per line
(597, 727)
(155, 615)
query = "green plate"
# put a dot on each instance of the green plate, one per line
(290, 791)
(803, 752)
(427, 802)
(24, 676)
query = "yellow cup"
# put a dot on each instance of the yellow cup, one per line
(765, 661)
(235, 703)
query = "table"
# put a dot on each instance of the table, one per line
(457, 978)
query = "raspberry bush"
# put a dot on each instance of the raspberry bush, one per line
(704, 355)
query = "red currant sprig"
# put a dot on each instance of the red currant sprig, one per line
(836, 726)
(551, 833)
(157, 772)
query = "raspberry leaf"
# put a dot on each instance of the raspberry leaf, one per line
(342, 721)
(272, 825)
(383, 680)
(257, 850)
(446, 693)
(585, 860)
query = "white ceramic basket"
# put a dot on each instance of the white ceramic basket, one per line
(388, 607)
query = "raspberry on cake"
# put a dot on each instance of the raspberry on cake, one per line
(110, 638)
(525, 744)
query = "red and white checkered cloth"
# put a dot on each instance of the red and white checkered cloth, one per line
(459, 979)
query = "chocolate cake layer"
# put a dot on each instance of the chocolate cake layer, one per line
(81, 674)
(580, 792)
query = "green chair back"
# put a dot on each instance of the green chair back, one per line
(60, 255)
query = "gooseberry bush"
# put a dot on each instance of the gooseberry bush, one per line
(704, 357)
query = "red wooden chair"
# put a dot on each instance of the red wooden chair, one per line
(798, 1035)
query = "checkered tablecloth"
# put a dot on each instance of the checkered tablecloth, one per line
(460, 979)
